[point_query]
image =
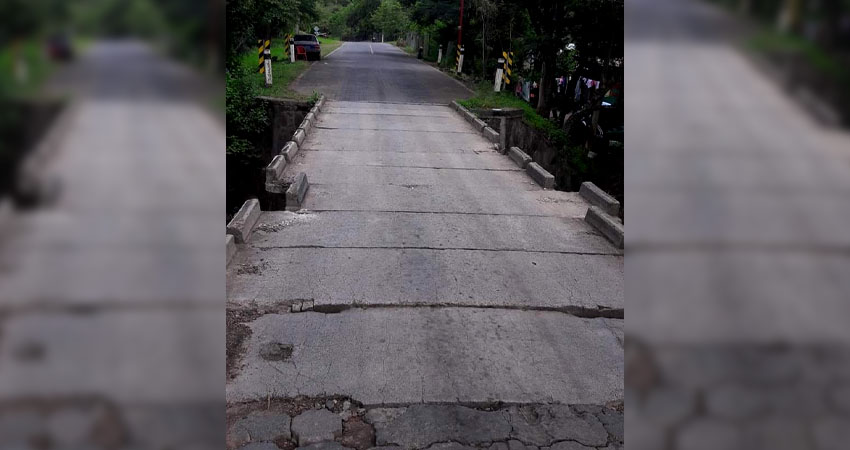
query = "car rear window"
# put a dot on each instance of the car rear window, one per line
(305, 37)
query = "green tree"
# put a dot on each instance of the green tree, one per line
(390, 18)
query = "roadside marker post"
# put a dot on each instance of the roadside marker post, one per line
(459, 58)
(267, 61)
(287, 39)
(507, 73)
(440, 54)
(497, 83)
(291, 43)
(261, 56)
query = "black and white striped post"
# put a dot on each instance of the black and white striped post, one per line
(267, 61)
(459, 58)
(287, 39)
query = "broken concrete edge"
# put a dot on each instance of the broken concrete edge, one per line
(609, 226)
(545, 179)
(584, 312)
(597, 197)
(230, 242)
(296, 192)
(519, 157)
(243, 222)
(289, 150)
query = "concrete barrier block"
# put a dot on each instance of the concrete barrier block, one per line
(243, 222)
(469, 116)
(305, 125)
(290, 149)
(320, 103)
(296, 192)
(600, 198)
(456, 106)
(540, 175)
(314, 111)
(311, 117)
(275, 169)
(610, 227)
(299, 136)
(520, 157)
(479, 124)
(231, 248)
(491, 135)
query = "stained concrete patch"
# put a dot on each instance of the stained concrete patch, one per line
(275, 351)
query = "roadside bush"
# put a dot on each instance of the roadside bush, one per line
(245, 119)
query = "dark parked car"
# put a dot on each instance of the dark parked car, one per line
(59, 47)
(310, 45)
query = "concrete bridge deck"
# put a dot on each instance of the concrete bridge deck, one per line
(436, 269)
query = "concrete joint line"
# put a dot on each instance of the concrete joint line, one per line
(440, 249)
(609, 226)
(584, 312)
(244, 221)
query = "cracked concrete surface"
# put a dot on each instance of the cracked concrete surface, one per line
(436, 274)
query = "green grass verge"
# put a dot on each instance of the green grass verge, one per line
(284, 72)
(770, 41)
(485, 98)
(39, 67)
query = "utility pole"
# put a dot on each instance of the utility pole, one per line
(460, 25)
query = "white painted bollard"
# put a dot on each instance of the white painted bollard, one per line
(267, 62)
(497, 83)
(440, 54)
(291, 52)
(460, 61)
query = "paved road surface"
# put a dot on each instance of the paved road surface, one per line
(738, 209)
(112, 297)
(438, 272)
(378, 72)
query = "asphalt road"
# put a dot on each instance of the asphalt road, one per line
(367, 71)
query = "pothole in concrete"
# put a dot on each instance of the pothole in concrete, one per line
(276, 351)
(251, 269)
